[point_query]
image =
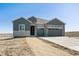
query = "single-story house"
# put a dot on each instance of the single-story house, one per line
(34, 26)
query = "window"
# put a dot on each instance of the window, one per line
(21, 27)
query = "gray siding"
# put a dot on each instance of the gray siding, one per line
(43, 30)
(56, 22)
(21, 21)
(63, 30)
(40, 32)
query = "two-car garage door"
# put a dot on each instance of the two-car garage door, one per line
(54, 32)
(51, 32)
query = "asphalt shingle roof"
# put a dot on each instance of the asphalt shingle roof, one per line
(37, 20)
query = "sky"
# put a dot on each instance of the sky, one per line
(68, 13)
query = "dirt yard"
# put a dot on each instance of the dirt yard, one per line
(72, 34)
(15, 47)
(41, 48)
(28, 46)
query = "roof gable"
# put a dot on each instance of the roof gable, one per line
(56, 21)
(36, 20)
(20, 19)
(32, 19)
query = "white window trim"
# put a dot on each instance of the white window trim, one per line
(22, 25)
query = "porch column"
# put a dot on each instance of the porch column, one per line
(35, 31)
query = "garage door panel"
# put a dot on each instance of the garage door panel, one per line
(54, 32)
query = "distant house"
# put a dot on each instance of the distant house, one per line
(38, 27)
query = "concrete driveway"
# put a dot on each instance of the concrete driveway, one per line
(68, 42)
(41, 48)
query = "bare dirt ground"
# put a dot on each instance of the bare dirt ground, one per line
(6, 35)
(28, 46)
(41, 48)
(72, 34)
(15, 47)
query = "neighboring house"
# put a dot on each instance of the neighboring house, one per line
(38, 27)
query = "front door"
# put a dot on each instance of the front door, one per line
(32, 30)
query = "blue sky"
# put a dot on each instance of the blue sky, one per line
(68, 13)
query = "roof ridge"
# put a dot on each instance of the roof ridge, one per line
(22, 18)
(58, 20)
(54, 20)
(37, 20)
